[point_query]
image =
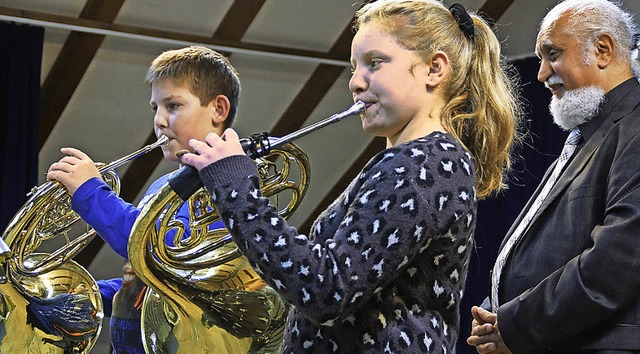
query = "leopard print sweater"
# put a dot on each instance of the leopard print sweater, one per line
(384, 267)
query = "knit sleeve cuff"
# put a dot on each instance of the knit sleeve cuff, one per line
(227, 170)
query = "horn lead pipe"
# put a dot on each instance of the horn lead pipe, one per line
(186, 181)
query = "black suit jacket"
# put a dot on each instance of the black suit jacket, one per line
(573, 281)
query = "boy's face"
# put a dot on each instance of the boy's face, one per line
(180, 116)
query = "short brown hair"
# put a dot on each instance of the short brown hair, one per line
(206, 72)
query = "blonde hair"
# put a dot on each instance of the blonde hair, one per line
(483, 110)
(204, 71)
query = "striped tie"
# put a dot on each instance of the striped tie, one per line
(568, 149)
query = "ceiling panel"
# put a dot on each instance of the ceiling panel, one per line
(308, 24)
(200, 17)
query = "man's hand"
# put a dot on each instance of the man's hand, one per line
(485, 335)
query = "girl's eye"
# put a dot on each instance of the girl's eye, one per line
(374, 63)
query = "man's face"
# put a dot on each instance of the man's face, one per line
(563, 65)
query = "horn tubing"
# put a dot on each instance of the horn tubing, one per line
(109, 167)
(356, 108)
(186, 181)
(162, 140)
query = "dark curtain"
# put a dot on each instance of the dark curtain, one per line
(20, 63)
(542, 144)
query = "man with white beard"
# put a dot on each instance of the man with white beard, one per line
(566, 278)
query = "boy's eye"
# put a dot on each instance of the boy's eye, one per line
(374, 63)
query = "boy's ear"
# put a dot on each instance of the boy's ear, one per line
(438, 69)
(220, 107)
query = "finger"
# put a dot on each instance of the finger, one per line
(475, 341)
(52, 175)
(476, 316)
(483, 330)
(213, 139)
(58, 175)
(230, 135)
(198, 146)
(69, 160)
(486, 348)
(482, 315)
(192, 159)
(75, 152)
(60, 166)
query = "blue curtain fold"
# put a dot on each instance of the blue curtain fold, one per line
(542, 145)
(20, 66)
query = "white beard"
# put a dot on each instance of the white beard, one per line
(576, 106)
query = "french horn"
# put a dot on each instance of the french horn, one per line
(48, 302)
(203, 296)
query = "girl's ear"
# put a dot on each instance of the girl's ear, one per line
(438, 69)
(220, 107)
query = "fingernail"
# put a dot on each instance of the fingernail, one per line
(181, 153)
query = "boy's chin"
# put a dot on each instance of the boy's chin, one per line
(171, 156)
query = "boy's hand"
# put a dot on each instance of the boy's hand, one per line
(213, 149)
(73, 170)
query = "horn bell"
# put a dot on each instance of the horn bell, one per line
(203, 296)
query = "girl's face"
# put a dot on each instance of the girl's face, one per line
(390, 79)
(180, 116)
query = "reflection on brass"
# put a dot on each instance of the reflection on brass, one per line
(48, 302)
(203, 296)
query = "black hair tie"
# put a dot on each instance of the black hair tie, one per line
(463, 19)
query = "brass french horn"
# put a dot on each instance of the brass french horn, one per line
(48, 302)
(203, 296)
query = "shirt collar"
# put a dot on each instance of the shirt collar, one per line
(611, 100)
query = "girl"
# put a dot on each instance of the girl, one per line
(384, 267)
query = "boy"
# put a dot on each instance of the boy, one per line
(194, 91)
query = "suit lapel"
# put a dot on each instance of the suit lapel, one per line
(578, 163)
(583, 155)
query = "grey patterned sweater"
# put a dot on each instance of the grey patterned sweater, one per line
(384, 267)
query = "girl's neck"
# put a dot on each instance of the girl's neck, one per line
(417, 128)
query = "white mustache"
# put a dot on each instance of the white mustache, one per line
(553, 80)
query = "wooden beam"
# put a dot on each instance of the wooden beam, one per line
(308, 98)
(71, 64)
(492, 10)
(63, 79)
(314, 89)
(238, 18)
(168, 35)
